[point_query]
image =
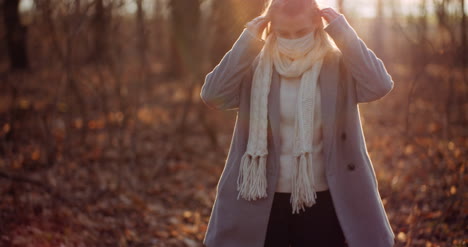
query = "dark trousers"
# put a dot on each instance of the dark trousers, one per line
(317, 226)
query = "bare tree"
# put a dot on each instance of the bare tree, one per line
(379, 29)
(226, 24)
(463, 31)
(100, 24)
(142, 45)
(185, 16)
(185, 19)
(16, 35)
(464, 61)
(222, 21)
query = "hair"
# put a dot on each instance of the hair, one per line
(295, 7)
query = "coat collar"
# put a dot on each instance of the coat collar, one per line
(328, 90)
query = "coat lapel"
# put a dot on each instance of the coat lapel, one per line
(328, 90)
(328, 80)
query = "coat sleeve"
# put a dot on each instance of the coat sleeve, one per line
(369, 76)
(221, 88)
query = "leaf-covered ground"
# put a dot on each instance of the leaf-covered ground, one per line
(109, 192)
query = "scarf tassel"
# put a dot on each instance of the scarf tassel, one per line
(303, 190)
(252, 181)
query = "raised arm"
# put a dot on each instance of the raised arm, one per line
(370, 77)
(221, 88)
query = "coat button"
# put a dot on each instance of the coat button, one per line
(343, 136)
(351, 166)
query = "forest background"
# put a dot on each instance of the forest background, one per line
(104, 140)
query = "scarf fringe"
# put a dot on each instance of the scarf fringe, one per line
(252, 181)
(303, 185)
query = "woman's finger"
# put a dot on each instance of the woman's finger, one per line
(329, 10)
(330, 15)
(325, 14)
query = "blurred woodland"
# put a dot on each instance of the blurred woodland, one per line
(104, 140)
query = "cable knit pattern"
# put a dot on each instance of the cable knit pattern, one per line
(291, 58)
(289, 88)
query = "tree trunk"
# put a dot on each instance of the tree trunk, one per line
(142, 45)
(185, 18)
(379, 30)
(100, 31)
(464, 61)
(16, 35)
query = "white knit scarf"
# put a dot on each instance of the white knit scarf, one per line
(291, 58)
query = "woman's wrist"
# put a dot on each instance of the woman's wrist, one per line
(253, 34)
(256, 25)
(334, 21)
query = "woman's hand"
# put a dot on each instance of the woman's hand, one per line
(329, 14)
(256, 25)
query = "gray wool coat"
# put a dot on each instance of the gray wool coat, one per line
(348, 77)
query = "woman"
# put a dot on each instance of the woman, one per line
(298, 172)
